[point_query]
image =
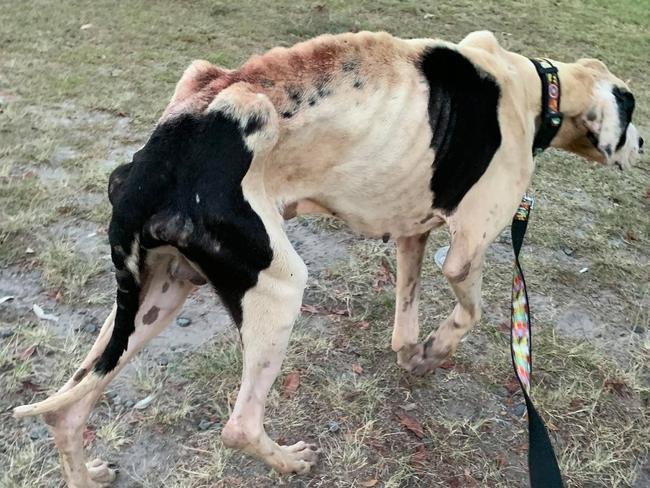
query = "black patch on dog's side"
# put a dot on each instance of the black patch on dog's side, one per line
(625, 103)
(189, 155)
(463, 105)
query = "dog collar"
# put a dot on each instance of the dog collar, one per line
(551, 117)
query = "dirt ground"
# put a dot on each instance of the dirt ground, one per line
(81, 87)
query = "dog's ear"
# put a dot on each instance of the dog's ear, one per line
(116, 182)
(594, 64)
(608, 117)
(196, 77)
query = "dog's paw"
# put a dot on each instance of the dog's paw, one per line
(420, 358)
(101, 473)
(298, 458)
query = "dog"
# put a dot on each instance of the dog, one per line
(395, 137)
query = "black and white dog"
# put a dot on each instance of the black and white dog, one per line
(396, 137)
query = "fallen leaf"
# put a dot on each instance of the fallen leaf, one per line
(56, 295)
(419, 458)
(647, 195)
(309, 309)
(411, 424)
(619, 386)
(89, 436)
(27, 353)
(362, 325)
(369, 483)
(31, 386)
(357, 368)
(448, 364)
(629, 235)
(512, 385)
(291, 383)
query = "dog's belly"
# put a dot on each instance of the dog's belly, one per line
(396, 201)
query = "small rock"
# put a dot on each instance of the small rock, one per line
(520, 409)
(111, 394)
(90, 328)
(639, 329)
(205, 424)
(163, 361)
(183, 321)
(6, 332)
(117, 400)
(502, 392)
(428, 442)
(333, 426)
(129, 403)
(37, 432)
(568, 251)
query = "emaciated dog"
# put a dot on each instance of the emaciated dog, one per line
(396, 137)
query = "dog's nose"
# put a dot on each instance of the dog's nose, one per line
(641, 141)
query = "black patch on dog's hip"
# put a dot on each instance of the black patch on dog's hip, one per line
(184, 189)
(463, 113)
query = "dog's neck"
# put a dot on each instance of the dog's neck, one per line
(577, 85)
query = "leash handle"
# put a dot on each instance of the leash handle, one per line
(543, 469)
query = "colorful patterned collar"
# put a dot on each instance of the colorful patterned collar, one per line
(551, 117)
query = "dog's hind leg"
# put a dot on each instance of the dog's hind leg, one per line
(410, 251)
(269, 310)
(163, 293)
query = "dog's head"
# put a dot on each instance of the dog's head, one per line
(603, 130)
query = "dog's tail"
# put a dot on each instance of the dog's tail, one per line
(56, 401)
(129, 259)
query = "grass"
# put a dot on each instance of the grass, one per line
(76, 102)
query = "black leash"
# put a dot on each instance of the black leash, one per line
(542, 464)
(543, 468)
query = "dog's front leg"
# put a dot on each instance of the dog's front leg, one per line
(410, 251)
(269, 310)
(463, 270)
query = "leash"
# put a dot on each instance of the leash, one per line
(542, 464)
(543, 469)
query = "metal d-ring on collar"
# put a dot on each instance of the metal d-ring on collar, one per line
(551, 117)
